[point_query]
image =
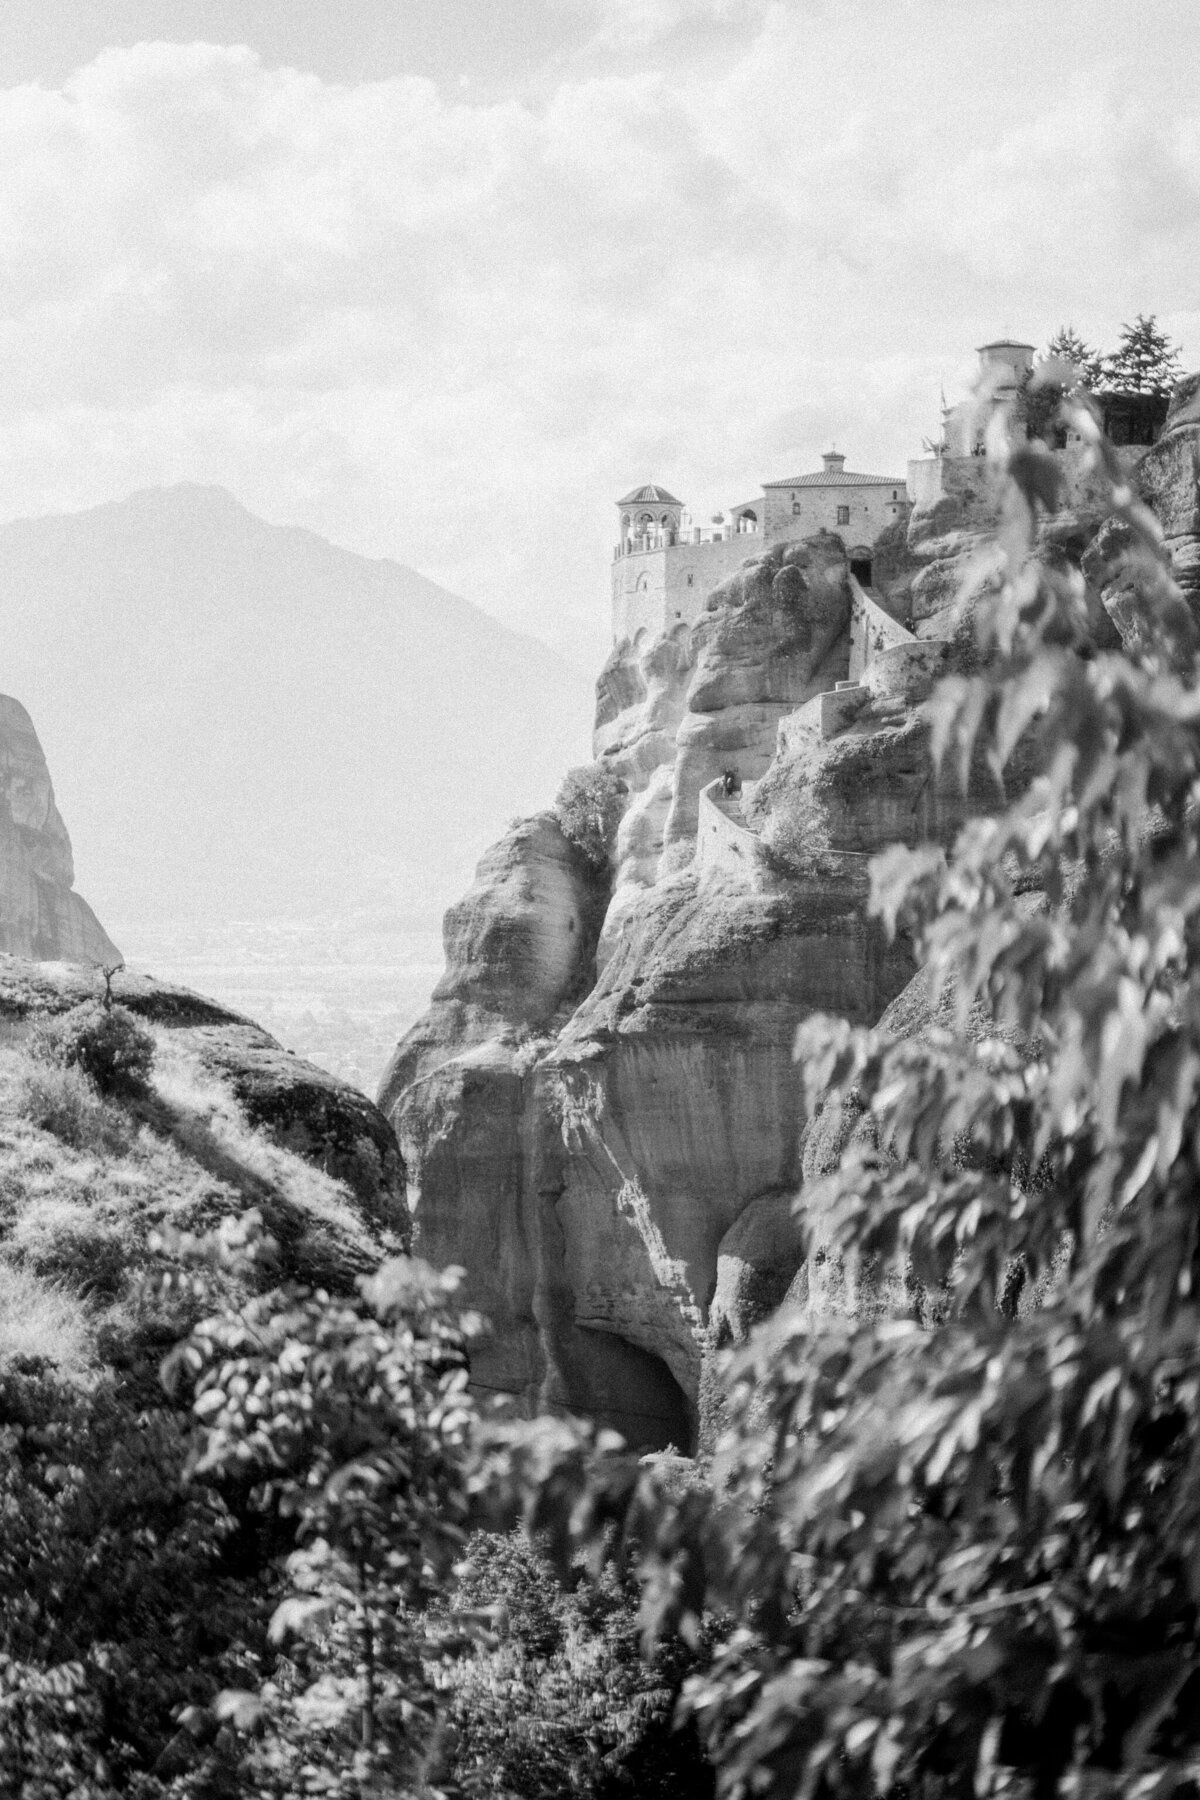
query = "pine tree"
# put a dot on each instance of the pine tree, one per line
(1067, 346)
(1146, 362)
(1067, 366)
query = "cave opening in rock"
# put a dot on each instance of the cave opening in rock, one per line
(634, 1392)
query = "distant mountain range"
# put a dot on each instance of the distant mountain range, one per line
(244, 720)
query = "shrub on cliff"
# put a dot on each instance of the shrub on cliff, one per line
(588, 807)
(105, 1043)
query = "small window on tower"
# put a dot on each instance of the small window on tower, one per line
(795, 506)
(690, 579)
(843, 515)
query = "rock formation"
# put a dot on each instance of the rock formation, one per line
(601, 1118)
(583, 1146)
(40, 914)
(306, 1110)
(1168, 479)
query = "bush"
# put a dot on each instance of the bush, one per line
(563, 1700)
(63, 1101)
(588, 806)
(117, 1609)
(797, 829)
(105, 1042)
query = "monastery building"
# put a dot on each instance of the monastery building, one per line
(665, 566)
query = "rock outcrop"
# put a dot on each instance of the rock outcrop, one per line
(1168, 479)
(304, 1109)
(602, 1121)
(583, 1139)
(40, 913)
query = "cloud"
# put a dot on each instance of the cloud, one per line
(636, 24)
(452, 331)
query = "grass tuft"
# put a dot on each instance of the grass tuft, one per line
(62, 1101)
(42, 1320)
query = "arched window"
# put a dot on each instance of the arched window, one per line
(643, 584)
(747, 521)
(645, 524)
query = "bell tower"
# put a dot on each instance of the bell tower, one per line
(648, 519)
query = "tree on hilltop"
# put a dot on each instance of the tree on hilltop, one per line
(1067, 346)
(1067, 366)
(1145, 361)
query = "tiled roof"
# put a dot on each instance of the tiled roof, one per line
(843, 478)
(650, 495)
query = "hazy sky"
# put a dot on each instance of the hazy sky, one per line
(441, 278)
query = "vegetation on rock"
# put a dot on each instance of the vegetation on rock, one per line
(1145, 362)
(104, 1042)
(588, 806)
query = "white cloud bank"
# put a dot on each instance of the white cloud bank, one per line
(453, 332)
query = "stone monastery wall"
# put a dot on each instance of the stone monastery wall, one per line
(656, 590)
(801, 511)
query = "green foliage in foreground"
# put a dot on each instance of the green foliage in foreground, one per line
(408, 1669)
(560, 1699)
(119, 1603)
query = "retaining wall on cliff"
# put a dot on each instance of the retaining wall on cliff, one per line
(872, 630)
(721, 841)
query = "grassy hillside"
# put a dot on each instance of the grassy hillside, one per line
(125, 1597)
(134, 1595)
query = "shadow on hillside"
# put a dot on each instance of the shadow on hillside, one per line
(313, 1247)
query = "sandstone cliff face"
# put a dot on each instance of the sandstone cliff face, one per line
(40, 914)
(520, 949)
(602, 1121)
(582, 1131)
(1168, 479)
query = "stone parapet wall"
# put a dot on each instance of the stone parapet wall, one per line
(721, 843)
(872, 630)
(841, 707)
(797, 728)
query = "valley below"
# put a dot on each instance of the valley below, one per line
(336, 989)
